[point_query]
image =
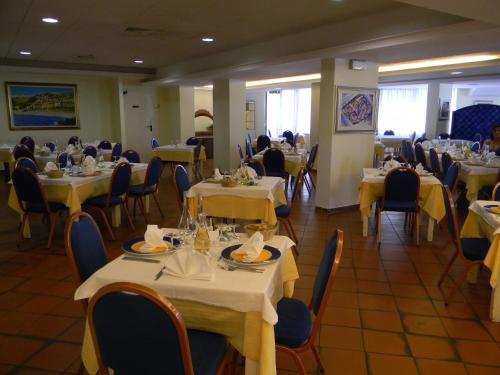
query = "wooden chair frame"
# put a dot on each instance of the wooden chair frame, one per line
(142, 205)
(25, 158)
(493, 193)
(286, 221)
(179, 200)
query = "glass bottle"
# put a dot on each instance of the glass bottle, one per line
(202, 239)
(186, 224)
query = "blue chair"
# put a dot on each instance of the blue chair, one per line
(408, 152)
(149, 187)
(84, 247)
(137, 331)
(420, 155)
(269, 133)
(389, 132)
(240, 152)
(90, 151)
(118, 188)
(197, 167)
(29, 142)
(73, 140)
(450, 179)
(412, 137)
(154, 143)
(495, 195)
(263, 141)
(132, 156)
(181, 183)
(21, 150)
(434, 159)
(295, 331)
(444, 136)
(471, 250)
(401, 191)
(274, 163)
(446, 161)
(51, 146)
(256, 166)
(32, 199)
(116, 151)
(249, 149)
(25, 162)
(104, 145)
(398, 158)
(62, 159)
(309, 168)
(192, 141)
(476, 147)
(289, 136)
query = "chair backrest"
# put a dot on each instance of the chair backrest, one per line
(116, 151)
(257, 167)
(90, 151)
(477, 138)
(389, 132)
(62, 159)
(104, 145)
(323, 283)
(28, 188)
(29, 142)
(445, 162)
(495, 195)
(399, 158)
(25, 162)
(153, 173)
(73, 140)
(181, 182)
(408, 152)
(120, 180)
(451, 217)
(412, 137)
(312, 157)
(132, 156)
(451, 177)
(21, 150)
(434, 159)
(289, 136)
(476, 147)
(248, 147)
(444, 136)
(51, 146)
(84, 246)
(420, 155)
(401, 185)
(274, 160)
(263, 141)
(192, 141)
(240, 152)
(269, 133)
(299, 180)
(137, 331)
(154, 143)
(196, 152)
(420, 139)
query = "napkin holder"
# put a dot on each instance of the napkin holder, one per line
(54, 173)
(229, 182)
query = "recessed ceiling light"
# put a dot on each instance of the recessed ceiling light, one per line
(24, 52)
(139, 61)
(456, 73)
(50, 20)
(207, 39)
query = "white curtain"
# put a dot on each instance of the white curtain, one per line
(289, 109)
(402, 109)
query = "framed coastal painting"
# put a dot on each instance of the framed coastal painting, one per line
(42, 106)
(356, 109)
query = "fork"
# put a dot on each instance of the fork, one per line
(227, 267)
(158, 275)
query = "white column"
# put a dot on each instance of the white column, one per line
(229, 122)
(342, 156)
(431, 117)
(176, 113)
(315, 91)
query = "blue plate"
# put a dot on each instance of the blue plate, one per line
(132, 246)
(272, 253)
(492, 208)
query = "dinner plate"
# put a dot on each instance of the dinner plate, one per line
(268, 255)
(133, 246)
(493, 208)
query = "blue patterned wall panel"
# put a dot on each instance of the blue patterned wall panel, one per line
(479, 118)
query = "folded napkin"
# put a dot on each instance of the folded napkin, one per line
(45, 150)
(426, 144)
(122, 160)
(252, 248)
(70, 149)
(494, 162)
(391, 164)
(50, 166)
(248, 171)
(189, 264)
(491, 155)
(420, 168)
(89, 165)
(217, 174)
(153, 238)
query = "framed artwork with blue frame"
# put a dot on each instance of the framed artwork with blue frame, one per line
(42, 106)
(356, 109)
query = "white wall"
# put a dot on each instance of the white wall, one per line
(259, 97)
(98, 110)
(203, 99)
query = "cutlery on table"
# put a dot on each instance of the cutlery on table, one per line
(160, 273)
(141, 259)
(227, 267)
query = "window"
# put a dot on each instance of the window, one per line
(402, 109)
(289, 109)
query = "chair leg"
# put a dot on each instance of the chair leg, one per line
(447, 269)
(378, 225)
(458, 283)
(307, 185)
(53, 220)
(135, 206)
(20, 232)
(127, 214)
(106, 222)
(417, 226)
(291, 233)
(295, 356)
(155, 197)
(143, 210)
(318, 359)
(312, 180)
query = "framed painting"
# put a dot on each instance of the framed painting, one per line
(356, 109)
(42, 106)
(444, 109)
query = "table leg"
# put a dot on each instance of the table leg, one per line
(146, 203)
(116, 216)
(430, 229)
(365, 225)
(495, 305)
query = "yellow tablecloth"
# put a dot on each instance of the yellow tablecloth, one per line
(178, 155)
(475, 182)
(247, 332)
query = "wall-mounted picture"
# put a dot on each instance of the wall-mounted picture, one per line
(356, 109)
(37, 106)
(444, 109)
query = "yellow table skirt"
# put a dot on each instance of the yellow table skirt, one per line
(430, 199)
(178, 156)
(475, 227)
(5, 157)
(247, 332)
(474, 183)
(293, 168)
(234, 207)
(74, 197)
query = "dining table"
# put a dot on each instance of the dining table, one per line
(248, 202)
(237, 304)
(430, 197)
(73, 190)
(179, 153)
(481, 222)
(295, 160)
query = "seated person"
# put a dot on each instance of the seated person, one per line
(494, 141)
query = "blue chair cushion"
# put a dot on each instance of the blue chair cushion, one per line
(282, 211)
(100, 201)
(136, 190)
(207, 351)
(39, 207)
(399, 206)
(475, 248)
(294, 323)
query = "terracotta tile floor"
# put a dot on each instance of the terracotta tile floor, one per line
(385, 316)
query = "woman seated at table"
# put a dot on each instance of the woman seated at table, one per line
(494, 141)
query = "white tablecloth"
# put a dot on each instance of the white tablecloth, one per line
(295, 157)
(180, 148)
(492, 219)
(377, 176)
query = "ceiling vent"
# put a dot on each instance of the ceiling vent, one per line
(85, 57)
(138, 31)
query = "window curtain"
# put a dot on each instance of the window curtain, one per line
(289, 109)
(402, 110)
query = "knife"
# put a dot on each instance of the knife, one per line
(142, 259)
